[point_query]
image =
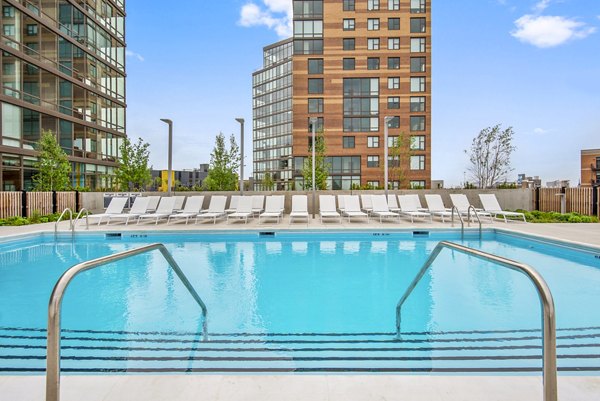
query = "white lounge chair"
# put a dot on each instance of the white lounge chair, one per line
(192, 208)
(153, 202)
(381, 208)
(367, 203)
(179, 201)
(327, 208)
(273, 208)
(341, 203)
(392, 201)
(417, 202)
(163, 211)
(216, 209)
(258, 204)
(115, 207)
(233, 202)
(408, 207)
(435, 206)
(299, 207)
(462, 204)
(491, 205)
(352, 207)
(139, 207)
(244, 209)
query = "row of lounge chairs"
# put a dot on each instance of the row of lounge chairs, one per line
(181, 208)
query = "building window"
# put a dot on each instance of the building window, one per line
(393, 63)
(361, 104)
(308, 46)
(417, 6)
(8, 12)
(417, 123)
(393, 102)
(372, 5)
(417, 185)
(417, 64)
(315, 85)
(417, 45)
(394, 44)
(418, 25)
(348, 5)
(373, 43)
(417, 103)
(394, 83)
(318, 127)
(394, 161)
(393, 24)
(349, 44)
(308, 29)
(373, 63)
(315, 105)
(373, 24)
(392, 141)
(417, 162)
(8, 29)
(394, 5)
(348, 142)
(394, 122)
(372, 142)
(32, 29)
(307, 9)
(417, 142)
(373, 184)
(417, 84)
(315, 65)
(349, 63)
(372, 161)
(349, 24)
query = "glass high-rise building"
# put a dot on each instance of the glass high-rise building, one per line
(63, 70)
(355, 65)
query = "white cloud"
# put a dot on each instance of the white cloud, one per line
(540, 131)
(541, 5)
(549, 31)
(274, 14)
(138, 56)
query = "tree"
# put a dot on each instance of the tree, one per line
(490, 155)
(268, 182)
(224, 164)
(321, 168)
(54, 169)
(133, 172)
(399, 155)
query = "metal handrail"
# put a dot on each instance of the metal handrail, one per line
(544, 293)
(61, 217)
(87, 220)
(462, 222)
(476, 215)
(55, 303)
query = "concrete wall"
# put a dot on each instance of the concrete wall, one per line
(509, 199)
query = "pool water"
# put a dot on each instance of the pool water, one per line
(297, 302)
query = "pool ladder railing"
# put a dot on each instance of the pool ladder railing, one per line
(544, 293)
(462, 222)
(55, 304)
(72, 222)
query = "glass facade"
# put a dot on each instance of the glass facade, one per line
(63, 70)
(272, 116)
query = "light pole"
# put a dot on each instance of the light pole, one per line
(241, 121)
(313, 121)
(386, 123)
(170, 167)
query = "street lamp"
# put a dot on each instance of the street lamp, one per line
(386, 123)
(241, 121)
(170, 167)
(313, 121)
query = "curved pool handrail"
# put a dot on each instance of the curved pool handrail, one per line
(476, 215)
(87, 220)
(55, 303)
(544, 293)
(68, 209)
(462, 222)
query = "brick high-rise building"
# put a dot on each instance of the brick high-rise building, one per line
(63, 70)
(356, 62)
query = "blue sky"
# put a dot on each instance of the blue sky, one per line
(530, 64)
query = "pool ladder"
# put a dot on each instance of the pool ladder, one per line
(546, 301)
(72, 222)
(462, 222)
(54, 308)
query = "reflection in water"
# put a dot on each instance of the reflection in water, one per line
(327, 247)
(351, 247)
(300, 247)
(379, 246)
(273, 247)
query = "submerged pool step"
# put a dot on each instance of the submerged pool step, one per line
(23, 350)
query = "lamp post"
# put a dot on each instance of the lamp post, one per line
(386, 123)
(313, 121)
(170, 166)
(241, 121)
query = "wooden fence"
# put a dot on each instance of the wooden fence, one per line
(577, 200)
(44, 203)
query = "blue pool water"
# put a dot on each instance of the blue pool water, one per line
(303, 302)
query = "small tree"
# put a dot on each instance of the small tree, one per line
(490, 155)
(399, 164)
(224, 164)
(321, 168)
(133, 171)
(53, 167)
(268, 182)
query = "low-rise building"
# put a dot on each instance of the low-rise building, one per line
(590, 167)
(188, 178)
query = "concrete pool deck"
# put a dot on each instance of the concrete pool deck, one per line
(308, 387)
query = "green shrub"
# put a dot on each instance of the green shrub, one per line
(535, 216)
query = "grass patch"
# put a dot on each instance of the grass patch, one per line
(554, 217)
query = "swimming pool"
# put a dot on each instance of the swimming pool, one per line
(297, 302)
